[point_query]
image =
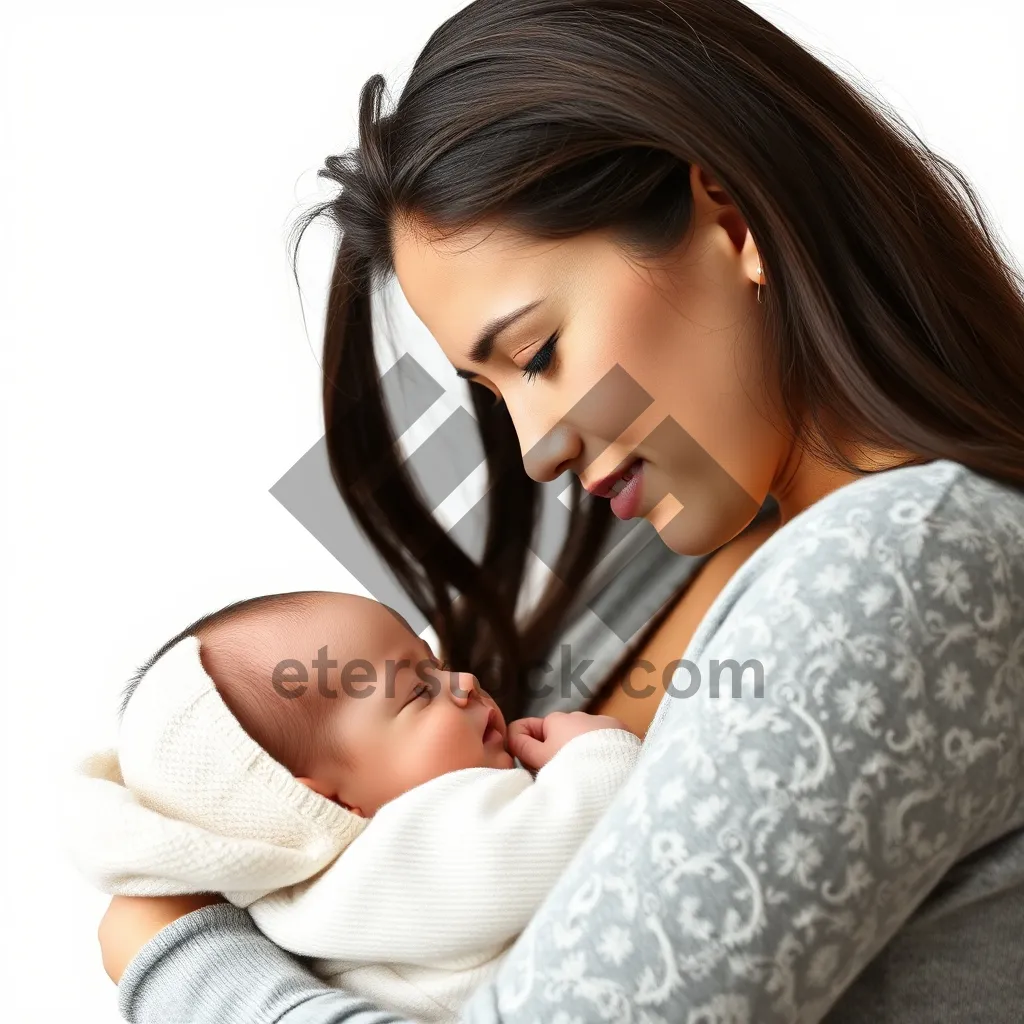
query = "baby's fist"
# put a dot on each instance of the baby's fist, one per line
(535, 741)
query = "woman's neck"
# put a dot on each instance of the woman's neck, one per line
(804, 479)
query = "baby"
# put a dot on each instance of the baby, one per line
(308, 757)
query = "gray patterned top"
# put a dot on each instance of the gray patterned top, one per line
(843, 843)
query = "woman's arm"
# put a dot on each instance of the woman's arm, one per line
(213, 966)
(774, 839)
(131, 921)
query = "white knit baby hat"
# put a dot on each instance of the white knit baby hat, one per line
(189, 802)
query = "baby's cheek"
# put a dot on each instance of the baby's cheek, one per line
(449, 747)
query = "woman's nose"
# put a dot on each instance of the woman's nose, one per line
(552, 454)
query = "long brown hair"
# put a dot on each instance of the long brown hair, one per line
(889, 307)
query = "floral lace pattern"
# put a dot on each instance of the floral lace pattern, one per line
(767, 847)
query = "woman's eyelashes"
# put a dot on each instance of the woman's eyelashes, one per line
(538, 364)
(541, 359)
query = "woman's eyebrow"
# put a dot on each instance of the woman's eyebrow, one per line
(484, 345)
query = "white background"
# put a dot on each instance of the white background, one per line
(157, 375)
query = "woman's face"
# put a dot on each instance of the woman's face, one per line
(659, 364)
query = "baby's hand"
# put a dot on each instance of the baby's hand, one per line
(536, 740)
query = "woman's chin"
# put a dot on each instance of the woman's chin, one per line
(700, 528)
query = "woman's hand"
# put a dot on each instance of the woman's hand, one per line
(131, 921)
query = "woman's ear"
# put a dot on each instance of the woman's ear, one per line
(325, 789)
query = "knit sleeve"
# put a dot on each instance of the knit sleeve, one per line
(214, 966)
(846, 726)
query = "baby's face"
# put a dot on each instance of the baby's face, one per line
(399, 718)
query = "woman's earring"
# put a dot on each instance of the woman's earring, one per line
(759, 282)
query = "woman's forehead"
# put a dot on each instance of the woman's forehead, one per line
(453, 287)
(458, 283)
(474, 258)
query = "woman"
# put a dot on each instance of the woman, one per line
(744, 282)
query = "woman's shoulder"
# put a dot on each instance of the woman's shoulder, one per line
(938, 544)
(896, 497)
(892, 608)
(907, 515)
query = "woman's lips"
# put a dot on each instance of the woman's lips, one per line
(605, 487)
(627, 490)
(623, 487)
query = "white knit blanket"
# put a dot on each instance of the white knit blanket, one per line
(412, 908)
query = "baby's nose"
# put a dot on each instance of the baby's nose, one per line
(464, 686)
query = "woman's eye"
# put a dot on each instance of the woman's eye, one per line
(541, 359)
